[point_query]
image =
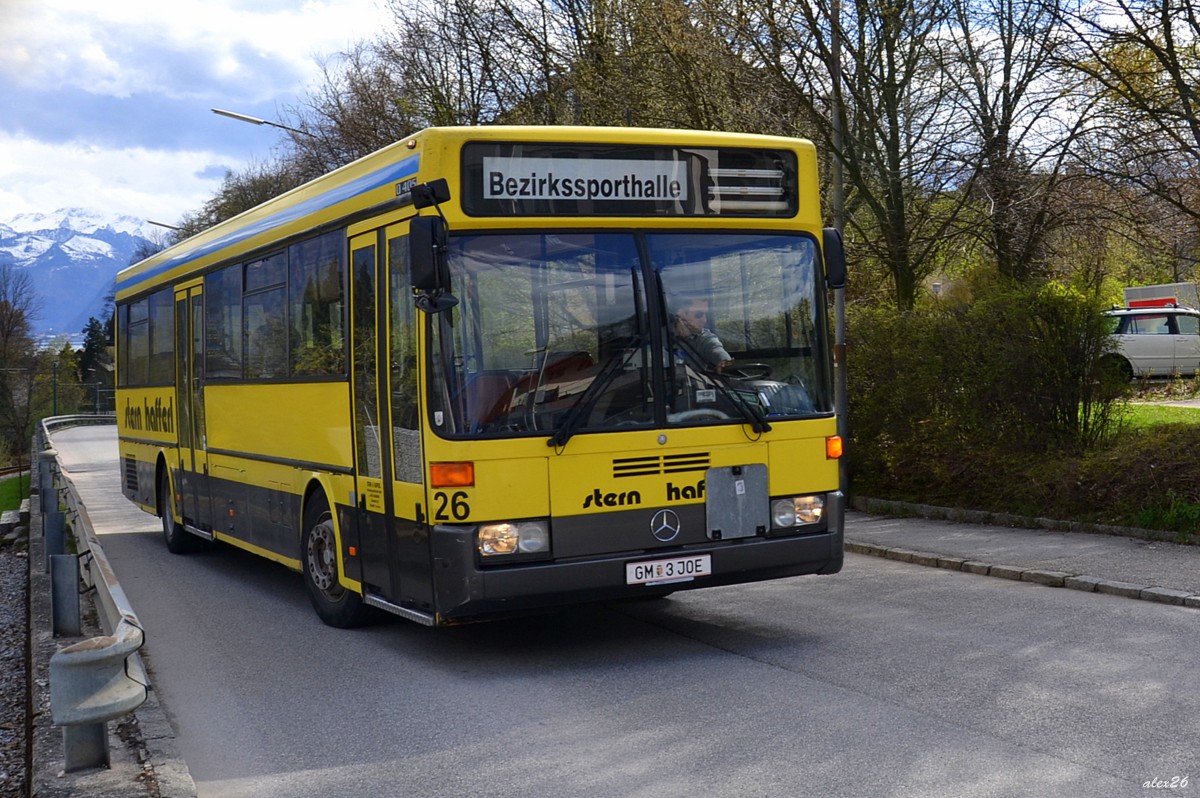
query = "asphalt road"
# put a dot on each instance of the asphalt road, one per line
(888, 679)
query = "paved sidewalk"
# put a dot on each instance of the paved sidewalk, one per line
(1141, 569)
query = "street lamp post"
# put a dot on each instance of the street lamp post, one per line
(841, 375)
(254, 120)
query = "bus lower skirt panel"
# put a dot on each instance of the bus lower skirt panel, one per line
(464, 590)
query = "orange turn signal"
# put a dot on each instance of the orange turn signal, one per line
(452, 475)
(833, 447)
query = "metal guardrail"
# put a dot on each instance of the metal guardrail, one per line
(79, 420)
(102, 678)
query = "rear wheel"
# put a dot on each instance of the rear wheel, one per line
(1118, 368)
(335, 605)
(179, 540)
(1125, 370)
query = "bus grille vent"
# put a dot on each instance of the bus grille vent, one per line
(131, 475)
(659, 464)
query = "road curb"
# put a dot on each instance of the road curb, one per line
(145, 760)
(899, 509)
(1037, 576)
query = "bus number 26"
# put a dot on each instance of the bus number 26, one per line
(455, 504)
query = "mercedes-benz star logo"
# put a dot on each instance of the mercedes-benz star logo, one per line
(665, 525)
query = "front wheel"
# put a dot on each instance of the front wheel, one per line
(335, 605)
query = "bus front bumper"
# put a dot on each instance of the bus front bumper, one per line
(465, 591)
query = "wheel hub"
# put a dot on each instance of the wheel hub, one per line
(322, 561)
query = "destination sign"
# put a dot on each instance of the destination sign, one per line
(563, 179)
(574, 178)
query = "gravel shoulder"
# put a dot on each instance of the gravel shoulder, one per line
(14, 671)
(143, 762)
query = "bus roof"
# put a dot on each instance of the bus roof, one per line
(382, 181)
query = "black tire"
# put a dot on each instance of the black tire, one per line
(335, 605)
(178, 539)
(1118, 367)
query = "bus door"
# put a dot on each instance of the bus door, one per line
(371, 425)
(412, 564)
(192, 483)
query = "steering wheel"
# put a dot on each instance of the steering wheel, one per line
(749, 371)
(698, 414)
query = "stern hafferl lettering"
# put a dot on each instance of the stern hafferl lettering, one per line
(157, 417)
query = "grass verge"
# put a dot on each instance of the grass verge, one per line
(1147, 475)
(13, 491)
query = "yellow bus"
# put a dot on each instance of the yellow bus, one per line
(488, 370)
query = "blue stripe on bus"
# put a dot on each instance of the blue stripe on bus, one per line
(369, 182)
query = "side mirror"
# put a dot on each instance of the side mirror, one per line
(427, 264)
(431, 194)
(835, 258)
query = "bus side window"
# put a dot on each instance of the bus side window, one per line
(223, 326)
(266, 338)
(161, 356)
(317, 305)
(135, 335)
(264, 317)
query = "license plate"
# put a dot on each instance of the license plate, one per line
(676, 569)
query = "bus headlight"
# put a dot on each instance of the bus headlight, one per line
(520, 537)
(797, 511)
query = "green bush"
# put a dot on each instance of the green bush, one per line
(944, 398)
(1035, 370)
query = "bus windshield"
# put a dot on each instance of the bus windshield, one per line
(563, 332)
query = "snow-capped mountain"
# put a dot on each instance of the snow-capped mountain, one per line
(80, 220)
(72, 257)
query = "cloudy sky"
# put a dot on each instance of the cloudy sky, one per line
(107, 105)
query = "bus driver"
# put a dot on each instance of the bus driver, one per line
(691, 327)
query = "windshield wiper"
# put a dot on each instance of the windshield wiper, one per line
(577, 412)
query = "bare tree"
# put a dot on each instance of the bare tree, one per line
(365, 101)
(468, 62)
(18, 358)
(655, 63)
(1007, 61)
(241, 191)
(1144, 60)
(880, 108)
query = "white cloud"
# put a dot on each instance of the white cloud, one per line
(142, 72)
(146, 184)
(120, 48)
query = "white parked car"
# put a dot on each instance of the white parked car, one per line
(1156, 341)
